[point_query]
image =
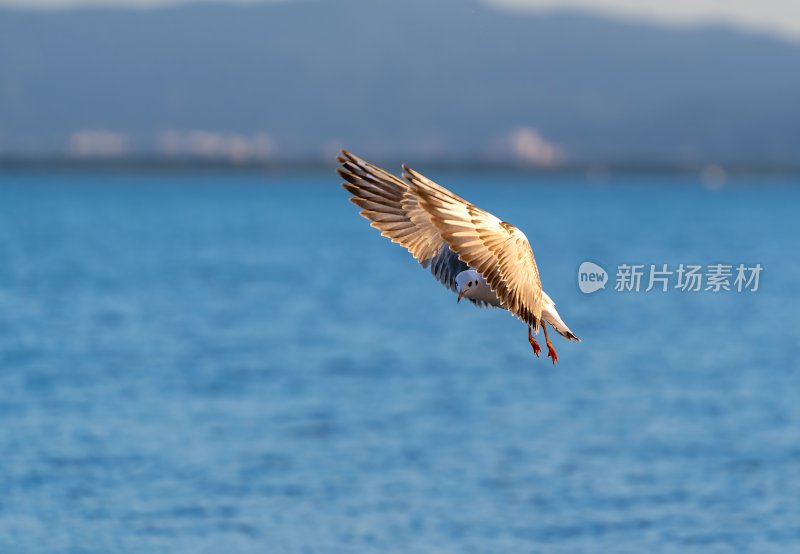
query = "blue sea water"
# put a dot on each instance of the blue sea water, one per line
(204, 363)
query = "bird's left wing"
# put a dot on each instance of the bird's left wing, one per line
(393, 207)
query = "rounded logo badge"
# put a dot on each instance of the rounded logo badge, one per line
(591, 277)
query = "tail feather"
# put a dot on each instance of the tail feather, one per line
(550, 315)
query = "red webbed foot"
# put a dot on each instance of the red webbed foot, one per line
(534, 344)
(551, 352)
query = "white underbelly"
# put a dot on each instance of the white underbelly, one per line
(483, 293)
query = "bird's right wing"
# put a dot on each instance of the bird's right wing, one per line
(499, 251)
(393, 207)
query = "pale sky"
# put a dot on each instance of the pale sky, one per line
(779, 17)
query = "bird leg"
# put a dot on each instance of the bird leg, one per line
(551, 352)
(534, 344)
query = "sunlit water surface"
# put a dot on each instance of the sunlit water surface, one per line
(196, 363)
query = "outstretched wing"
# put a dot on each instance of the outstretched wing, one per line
(393, 207)
(498, 250)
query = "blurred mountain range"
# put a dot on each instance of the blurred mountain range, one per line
(446, 80)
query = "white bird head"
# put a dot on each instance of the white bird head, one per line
(467, 282)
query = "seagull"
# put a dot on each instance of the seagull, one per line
(473, 253)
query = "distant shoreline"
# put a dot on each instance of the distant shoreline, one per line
(593, 171)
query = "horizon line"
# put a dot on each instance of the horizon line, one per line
(593, 169)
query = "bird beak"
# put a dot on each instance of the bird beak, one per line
(460, 296)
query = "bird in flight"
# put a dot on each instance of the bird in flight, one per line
(470, 251)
